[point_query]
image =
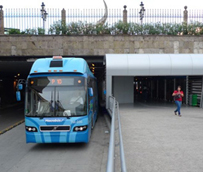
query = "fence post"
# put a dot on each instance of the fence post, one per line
(1, 20)
(185, 15)
(63, 16)
(125, 16)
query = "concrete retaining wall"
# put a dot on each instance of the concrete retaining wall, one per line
(49, 45)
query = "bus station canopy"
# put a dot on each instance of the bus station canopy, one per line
(154, 64)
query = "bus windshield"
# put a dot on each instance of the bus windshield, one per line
(53, 97)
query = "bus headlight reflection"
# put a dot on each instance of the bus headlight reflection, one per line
(80, 128)
(30, 129)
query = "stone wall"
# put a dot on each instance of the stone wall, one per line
(49, 45)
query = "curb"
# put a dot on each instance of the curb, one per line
(12, 126)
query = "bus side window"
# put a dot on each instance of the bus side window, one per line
(90, 84)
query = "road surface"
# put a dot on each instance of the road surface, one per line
(17, 156)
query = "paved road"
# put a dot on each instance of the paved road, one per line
(17, 156)
(11, 115)
(155, 140)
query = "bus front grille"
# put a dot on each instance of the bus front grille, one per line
(54, 128)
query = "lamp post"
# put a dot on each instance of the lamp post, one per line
(142, 10)
(43, 14)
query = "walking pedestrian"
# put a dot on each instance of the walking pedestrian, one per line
(178, 95)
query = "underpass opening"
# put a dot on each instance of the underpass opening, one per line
(18, 67)
(10, 73)
(14, 68)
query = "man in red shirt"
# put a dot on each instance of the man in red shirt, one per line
(178, 94)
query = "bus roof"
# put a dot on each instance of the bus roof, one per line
(60, 65)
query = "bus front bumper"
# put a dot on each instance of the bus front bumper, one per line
(57, 137)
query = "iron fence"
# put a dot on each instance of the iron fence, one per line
(31, 18)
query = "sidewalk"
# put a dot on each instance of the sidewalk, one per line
(155, 140)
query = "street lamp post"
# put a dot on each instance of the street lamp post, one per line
(142, 10)
(43, 14)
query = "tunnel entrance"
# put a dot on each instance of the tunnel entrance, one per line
(10, 73)
(14, 68)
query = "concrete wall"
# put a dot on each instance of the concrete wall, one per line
(123, 89)
(49, 45)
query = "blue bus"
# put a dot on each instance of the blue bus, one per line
(61, 102)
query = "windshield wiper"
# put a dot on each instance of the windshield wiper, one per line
(51, 102)
(58, 103)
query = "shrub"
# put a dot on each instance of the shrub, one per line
(14, 31)
(40, 31)
(84, 28)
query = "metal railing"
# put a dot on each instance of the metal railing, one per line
(113, 109)
(31, 19)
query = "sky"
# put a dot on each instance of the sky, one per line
(98, 4)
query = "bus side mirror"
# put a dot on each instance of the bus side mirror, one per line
(18, 96)
(90, 92)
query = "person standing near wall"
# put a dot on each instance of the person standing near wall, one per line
(178, 95)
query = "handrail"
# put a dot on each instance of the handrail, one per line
(110, 163)
(122, 154)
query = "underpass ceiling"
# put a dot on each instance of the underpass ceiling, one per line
(11, 69)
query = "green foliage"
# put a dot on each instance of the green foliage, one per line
(58, 28)
(14, 31)
(119, 28)
(122, 28)
(30, 32)
(40, 31)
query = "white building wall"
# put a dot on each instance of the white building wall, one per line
(123, 89)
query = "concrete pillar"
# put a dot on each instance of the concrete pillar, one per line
(187, 88)
(125, 15)
(157, 89)
(1, 20)
(165, 89)
(63, 16)
(108, 89)
(185, 15)
(123, 89)
(174, 84)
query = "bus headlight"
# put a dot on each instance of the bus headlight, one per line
(80, 128)
(31, 129)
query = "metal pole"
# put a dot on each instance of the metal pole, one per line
(122, 154)
(165, 87)
(110, 163)
(43, 24)
(187, 88)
